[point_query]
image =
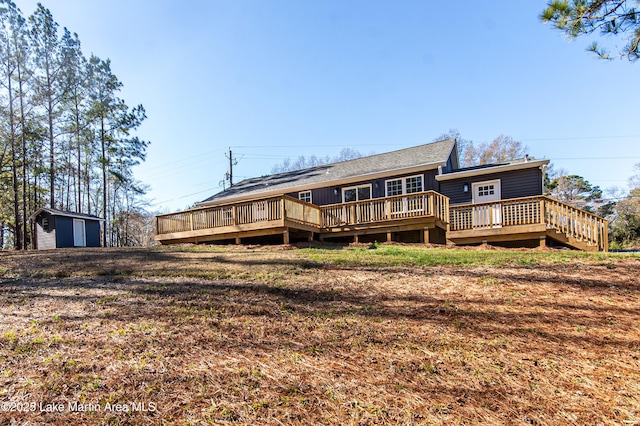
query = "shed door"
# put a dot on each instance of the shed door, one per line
(79, 234)
(489, 213)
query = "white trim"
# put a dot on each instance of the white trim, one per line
(497, 188)
(84, 232)
(310, 196)
(356, 188)
(492, 169)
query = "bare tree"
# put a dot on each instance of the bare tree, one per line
(303, 162)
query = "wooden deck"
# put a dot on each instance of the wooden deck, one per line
(531, 218)
(284, 215)
(429, 213)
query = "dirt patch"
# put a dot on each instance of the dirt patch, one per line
(263, 336)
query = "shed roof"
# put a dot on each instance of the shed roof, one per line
(56, 212)
(485, 169)
(427, 156)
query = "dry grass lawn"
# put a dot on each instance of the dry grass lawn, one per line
(395, 335)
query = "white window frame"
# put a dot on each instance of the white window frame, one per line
(356, 188)
(404, 184)
(302, 194)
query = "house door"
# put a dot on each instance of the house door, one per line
(79, 235)
(489, 213)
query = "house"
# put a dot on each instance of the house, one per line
(417, 194)
(58, 229)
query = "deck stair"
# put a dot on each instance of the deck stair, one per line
(531, 218)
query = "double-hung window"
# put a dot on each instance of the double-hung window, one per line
(403, 186)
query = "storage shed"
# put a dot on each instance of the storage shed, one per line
(58, 229)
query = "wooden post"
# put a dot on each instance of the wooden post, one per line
(234, 214)
(191, 221)
(543, 241)
(310, 237)
(389, 239)
(356, 239)
(543, 214)
(238, 240)
(425, 235)
(285, 236)
(431, 204)
(283, 212)
(447, 214)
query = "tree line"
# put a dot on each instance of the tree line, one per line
(66, 137)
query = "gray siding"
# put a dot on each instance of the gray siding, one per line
(45, 238)
(514, 184)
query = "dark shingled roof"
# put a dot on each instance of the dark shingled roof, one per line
(431, 154)
(56, 212)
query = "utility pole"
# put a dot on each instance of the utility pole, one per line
(232, 162)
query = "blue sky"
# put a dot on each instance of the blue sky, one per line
(276, 78)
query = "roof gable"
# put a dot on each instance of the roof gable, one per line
(427, 156)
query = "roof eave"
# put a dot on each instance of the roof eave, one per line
(65, 214)
(492, 169)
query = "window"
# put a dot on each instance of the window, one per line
(45, 224)
(394, 187)
(356, 193)
(402, 186)
(304, 196)
(486, 190)
(408, 185)
(413, 184)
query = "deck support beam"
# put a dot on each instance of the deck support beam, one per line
(285, 236)
(389, 236)
(543, 241)
(425, 235)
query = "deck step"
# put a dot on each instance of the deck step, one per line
(570, 241)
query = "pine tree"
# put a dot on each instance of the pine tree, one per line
(47, 56)
(620, 18)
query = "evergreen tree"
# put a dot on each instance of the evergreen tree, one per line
(113, 122)
(49, 87)
(608, 17)
(56, 108)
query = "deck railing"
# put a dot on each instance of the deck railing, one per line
(554, 214)
(302, 212)
(220, 216)
(421, 204)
